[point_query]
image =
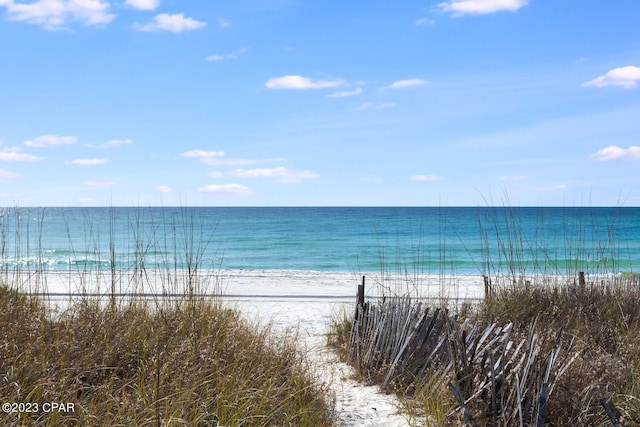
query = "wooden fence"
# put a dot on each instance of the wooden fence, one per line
(494, 376)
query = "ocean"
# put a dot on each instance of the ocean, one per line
(425, 240)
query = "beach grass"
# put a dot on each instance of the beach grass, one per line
(188, 362)
(587, 337)
(603, 319)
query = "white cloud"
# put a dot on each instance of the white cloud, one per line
(282, 174)
(375, 106)
(626, 77)
(14, 155)
(215, 158)
(163, 189)
(400, 84)
(512, 178)
(425, 178)
(613, 152)
(300, 83)
(56, 14)
(480, 7)
(51, 140)
(548, 188)
(112, 143)
(202, 154)
(143, 4)
(228, 56)
(99, 183)
(344, 94)
(87, 162)
(214, 161)
(425, 21)
(225, 188)
(224, 23)
(6, 175)
(175, 23)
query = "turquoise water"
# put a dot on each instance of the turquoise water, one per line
(449, 240)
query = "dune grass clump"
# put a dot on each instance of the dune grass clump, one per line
(140, 362)
(581, 339)
(603, 319)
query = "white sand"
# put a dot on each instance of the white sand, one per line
(290, 300)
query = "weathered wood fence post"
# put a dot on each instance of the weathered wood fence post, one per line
(360, 300)
(581, 281)
(487, 287)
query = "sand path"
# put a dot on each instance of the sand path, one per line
(356, 404)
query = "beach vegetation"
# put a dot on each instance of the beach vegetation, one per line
(141, 363)
(581, 341)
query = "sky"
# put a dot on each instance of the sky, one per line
(319, 103)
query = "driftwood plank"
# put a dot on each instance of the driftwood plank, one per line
(401, 354)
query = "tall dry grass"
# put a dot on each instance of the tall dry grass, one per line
(603, 320)
(587, 337)
(134, 363)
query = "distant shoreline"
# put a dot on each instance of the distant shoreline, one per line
(261, 284)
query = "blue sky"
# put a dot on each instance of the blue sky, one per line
(299, 102)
